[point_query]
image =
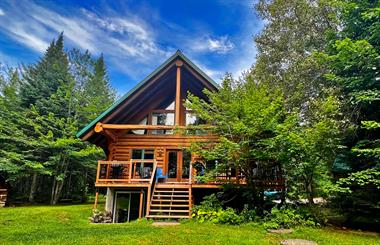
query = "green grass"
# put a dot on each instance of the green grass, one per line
(69, 225)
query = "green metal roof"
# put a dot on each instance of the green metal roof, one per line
(140, 84)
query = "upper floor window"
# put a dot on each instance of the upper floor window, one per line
(141, 131)
(162, 118)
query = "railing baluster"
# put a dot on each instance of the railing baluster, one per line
(130, 170)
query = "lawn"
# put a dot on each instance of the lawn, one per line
(69, 225)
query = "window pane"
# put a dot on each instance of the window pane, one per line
(172, 164)
(171, 106)
(186, 159)
(163, 119)
(148, 154)
(141, 131)
(137, 154)
(142, 154)
(192, 119)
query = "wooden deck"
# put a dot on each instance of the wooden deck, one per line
(141, 173)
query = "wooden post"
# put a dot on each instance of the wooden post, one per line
(190, 201)
(191, 173)
(130, 171)
(96, 200)
(178, 93)
(148, 200)
(141, 204)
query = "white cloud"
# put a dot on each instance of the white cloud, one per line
(220, 45)
(120, 38)
(2, 12)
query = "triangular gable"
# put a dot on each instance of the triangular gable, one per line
(82, 133)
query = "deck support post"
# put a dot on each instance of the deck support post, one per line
(96, 199)
(141, 203)
(148, 200)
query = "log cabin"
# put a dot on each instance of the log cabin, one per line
(149, 170)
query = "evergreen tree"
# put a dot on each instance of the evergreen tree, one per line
(43, 79)
(42, 112)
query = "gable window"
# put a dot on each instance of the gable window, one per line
(141, 131)
(163, 118)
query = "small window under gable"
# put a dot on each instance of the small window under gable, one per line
(171, 106)
(141, 131)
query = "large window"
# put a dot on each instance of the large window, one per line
(163, 119)
(142, 169)
(143, 154)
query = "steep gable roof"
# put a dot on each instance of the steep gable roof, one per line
(177, 55)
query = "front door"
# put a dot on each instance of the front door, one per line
(178, 165)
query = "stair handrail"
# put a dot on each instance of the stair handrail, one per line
(151, 186)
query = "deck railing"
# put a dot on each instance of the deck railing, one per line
(227, 176)
(133, 171)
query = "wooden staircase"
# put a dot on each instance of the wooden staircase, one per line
(170, 201)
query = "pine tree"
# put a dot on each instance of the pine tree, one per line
(44, 79)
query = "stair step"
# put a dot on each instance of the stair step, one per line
(169, 200)
(169, 211)
(169, 205)
(168, 216)
(159, 186)
(171, 191)
(159, 195)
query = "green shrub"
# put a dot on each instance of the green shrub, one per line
(249, 215)
(220, 216)
(287, 218)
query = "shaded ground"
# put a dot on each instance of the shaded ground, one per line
(69, 225)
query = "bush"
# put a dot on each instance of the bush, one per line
(209, 203)
(211, 210)
(220, 216)
(287, 218)
(249, 215)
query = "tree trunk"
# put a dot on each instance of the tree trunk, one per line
(84, 191)
(53, 191)
(33, 187)
(57, 192)
(57, 187)
(310, 194)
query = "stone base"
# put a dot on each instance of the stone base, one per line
(281, 231)
(297, 242)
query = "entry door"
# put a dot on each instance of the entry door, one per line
(178, 164)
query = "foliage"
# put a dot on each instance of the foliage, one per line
(220, 216)
(306, 147)
(286, 218)
(245, 115)
(293, 30)
(44, 104)
(209, 203)
(211, 210)
(365, 178)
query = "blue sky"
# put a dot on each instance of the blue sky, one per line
(135, 36)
